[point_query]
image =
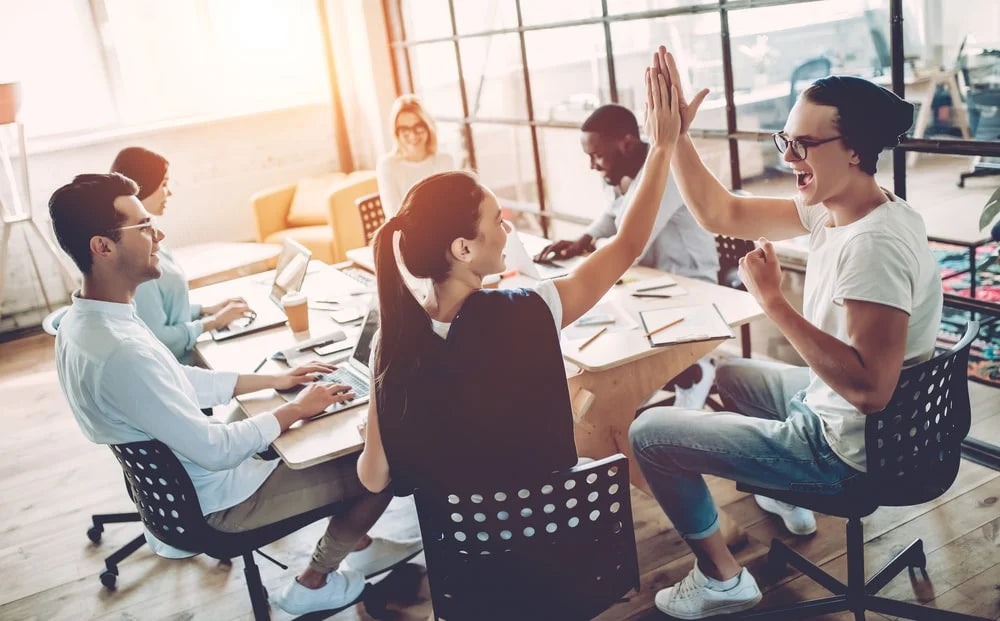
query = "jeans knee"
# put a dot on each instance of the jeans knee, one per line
(639, 433)
(727, 375)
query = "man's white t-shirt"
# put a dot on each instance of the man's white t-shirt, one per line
(881, 258)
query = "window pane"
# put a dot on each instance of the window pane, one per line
(451, 140)
(504, 158)
(435, 78)
(64, 91)
(695, 42)
(535, 12)
(483, 15)
(959, 92)
(616, 7)
(778, 51)
(234, 58)
(494, 77)
(570, 186)
(569, 72)
(426, 19)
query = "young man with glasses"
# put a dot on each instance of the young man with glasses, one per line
(124, 385)
(872, 306)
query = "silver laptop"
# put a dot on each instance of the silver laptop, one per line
(288, 276)
(354, 371)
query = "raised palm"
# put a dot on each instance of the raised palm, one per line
(687, 110)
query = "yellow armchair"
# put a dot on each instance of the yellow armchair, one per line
(318, 212)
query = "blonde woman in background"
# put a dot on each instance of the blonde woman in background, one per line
(414, 155)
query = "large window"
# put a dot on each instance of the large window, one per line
(94, 64)
(514, 79)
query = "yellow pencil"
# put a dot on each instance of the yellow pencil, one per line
(593, 338)
(664, 327)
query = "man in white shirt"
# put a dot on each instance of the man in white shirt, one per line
(872, 306)
(123, 385)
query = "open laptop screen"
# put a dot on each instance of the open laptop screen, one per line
(291, 269)
(362, 353)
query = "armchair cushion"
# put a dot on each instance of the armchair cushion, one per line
(309, 203)
(318, 239)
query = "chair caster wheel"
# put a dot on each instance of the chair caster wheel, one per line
(94, 533)
(109, 579)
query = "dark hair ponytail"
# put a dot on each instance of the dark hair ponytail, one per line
(435, 212)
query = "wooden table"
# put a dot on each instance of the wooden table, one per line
(210, 263)
(608, 381)
(305, 443)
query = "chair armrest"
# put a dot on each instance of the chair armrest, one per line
(348, 233)
(270, 209)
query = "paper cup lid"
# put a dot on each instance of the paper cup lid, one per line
(292, 298)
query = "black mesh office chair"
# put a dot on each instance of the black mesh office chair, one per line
(913, 449)
(559, 547)
(371, 214)
(730, 251)
(169, 508)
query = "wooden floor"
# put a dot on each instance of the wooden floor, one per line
(51, 480)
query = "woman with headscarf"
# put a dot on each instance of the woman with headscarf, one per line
(872, 306)
(163, 304)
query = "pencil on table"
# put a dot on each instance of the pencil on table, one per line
(664, 327)
(593, 338)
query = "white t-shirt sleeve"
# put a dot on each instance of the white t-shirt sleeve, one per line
(548, 292)
(810, 215)
(388, 187)
(879, 268)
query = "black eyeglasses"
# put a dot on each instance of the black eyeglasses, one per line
(799, 148)
(149, 228)
(408, 131)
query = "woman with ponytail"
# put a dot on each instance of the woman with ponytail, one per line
(470, 383)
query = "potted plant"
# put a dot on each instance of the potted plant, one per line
(990, 211)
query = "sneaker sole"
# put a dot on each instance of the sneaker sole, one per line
(788, 526)
(721, 610)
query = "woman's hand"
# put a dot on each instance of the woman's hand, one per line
(215, 308)
(663, 122)
(761, 275)
(687, 110)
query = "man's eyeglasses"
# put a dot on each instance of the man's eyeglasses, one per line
(144, 227)
(799, 148)
(409, 131)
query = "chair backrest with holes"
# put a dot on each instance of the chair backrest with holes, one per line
(913, 446)
(731, 250)
(371, 213)
(163, 493)
(560, 547)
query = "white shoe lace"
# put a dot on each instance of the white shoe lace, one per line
(685, 588)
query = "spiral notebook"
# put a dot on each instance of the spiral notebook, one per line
(687, 324)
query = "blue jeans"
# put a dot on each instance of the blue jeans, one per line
(775, 442)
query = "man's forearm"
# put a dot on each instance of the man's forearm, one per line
(704, 195)
(252, 382)
(834, 361)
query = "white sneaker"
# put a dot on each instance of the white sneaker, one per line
(797, 520)
(694, 398)
(382, 555)
(692, 598)
(342, 588)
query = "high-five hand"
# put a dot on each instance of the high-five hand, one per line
(663, 120)
(687, 109)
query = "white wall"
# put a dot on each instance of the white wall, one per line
(215, 167)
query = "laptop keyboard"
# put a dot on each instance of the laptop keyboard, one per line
(358, 386)
(362, 276)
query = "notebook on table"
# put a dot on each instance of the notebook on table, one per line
(684, 324)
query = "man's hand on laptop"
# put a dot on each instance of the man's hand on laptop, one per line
(303, 374)
(313, 399)
(564, 249)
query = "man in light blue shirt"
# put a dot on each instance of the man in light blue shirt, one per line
(123, 385)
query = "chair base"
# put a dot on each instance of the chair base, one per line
(109, 577)
(858, 595)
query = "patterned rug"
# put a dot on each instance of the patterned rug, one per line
(984, 359)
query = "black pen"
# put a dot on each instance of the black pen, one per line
(260, 365)
(651, 295)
